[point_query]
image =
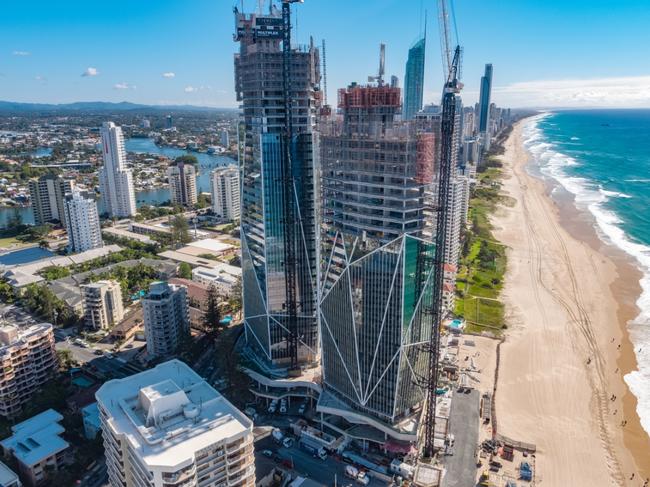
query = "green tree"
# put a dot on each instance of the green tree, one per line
(212, 315)
(202, 201)
(66, 361)
(187, 159)
(54, 272)
(185, 270)
(236, 379)
(235, 297)
(180, 230)
(6, 292)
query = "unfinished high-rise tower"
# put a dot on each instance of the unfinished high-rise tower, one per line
(277, 86)
(377, 254)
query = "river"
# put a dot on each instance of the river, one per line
(207, 162)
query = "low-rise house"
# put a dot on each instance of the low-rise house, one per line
(223, 276)
(8, 477)
(37, 446)
(91, 420)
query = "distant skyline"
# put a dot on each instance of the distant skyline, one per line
(583, 53)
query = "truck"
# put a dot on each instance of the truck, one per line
(402, 469)
(363, 478)
(314, 450)
(351, 472)
(277, 435)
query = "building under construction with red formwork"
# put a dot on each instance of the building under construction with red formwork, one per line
(377, 256)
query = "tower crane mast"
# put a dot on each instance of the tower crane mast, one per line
(443, 206)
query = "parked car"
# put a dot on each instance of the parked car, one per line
(287, 442)
(267, 453)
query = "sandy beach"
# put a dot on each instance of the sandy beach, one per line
(568, 298)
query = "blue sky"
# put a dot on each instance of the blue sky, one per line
(545, 52)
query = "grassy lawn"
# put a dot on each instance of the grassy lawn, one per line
(9, 241)
(483, 264)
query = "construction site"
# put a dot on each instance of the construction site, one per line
(350, 233)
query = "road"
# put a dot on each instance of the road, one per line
(464, 425)
(306, 465)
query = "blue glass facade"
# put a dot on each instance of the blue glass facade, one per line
(414, 80)
(484, 101)
(260, 90)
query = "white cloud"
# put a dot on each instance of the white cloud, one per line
(90, 72)
(195, 89)
(168, 75)
(621, 92)
(22, 53)
(123, 86)
(40, 78)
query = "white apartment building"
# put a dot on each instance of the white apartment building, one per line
(115, 180)
(82, 222)
(224, 185)
(167, 427)
(38, 447)
(222, 276)
(182, 184)
(166, 318)
(27, 361)
(454, 219)
(102, 304)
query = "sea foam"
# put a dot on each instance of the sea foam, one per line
(592, 197)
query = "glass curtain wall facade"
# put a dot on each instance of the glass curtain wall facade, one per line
(484, 101)
(259, 87)
(377, 255)
(414, 80)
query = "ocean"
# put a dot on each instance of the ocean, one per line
(602, 157)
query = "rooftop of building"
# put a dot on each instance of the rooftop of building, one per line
(10, 334)
(123, 232)
(195, 290)
(178, 256)
(169, 412)
(37, 438)
(7, 476)
(100, 284)
(211, 245)
(219, 270)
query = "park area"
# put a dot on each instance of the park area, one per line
(483, 262)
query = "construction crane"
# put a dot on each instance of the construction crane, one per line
(382, 67)
(288, 189)
(452, 88)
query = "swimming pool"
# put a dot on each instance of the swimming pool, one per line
(24, 256)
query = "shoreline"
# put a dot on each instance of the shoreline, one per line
(561, 350)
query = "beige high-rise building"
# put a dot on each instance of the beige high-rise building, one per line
(102, 304)
(224, 185)
(27, 361)
(47, 195)
(182, 184)
(166, 315)
(166, 427)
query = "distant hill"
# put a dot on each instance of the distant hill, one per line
(99, 106)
